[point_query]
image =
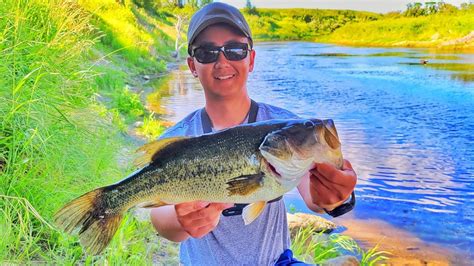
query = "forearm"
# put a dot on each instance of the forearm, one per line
(166, 223)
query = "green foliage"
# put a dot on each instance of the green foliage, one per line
(61, 103)
(430, 30)
(151, 128)
(133, 33)
(300, 24)
(316, 248)
(430, 8)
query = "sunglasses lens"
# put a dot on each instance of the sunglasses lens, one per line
(233, 52)
(205, 55)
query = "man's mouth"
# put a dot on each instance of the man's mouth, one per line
(224, 77)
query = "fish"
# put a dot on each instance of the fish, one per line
(247, 164)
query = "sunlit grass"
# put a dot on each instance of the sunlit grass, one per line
(312, 247)
(151, 128)
(428, 31)
(58, 137)
(122, 30)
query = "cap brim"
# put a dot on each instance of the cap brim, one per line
(212, 21)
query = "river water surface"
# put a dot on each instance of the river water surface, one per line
(407, 127)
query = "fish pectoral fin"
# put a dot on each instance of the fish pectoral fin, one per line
(330, 134)
(152, 204)
(151, 149)
(245, 185)
(252, 211)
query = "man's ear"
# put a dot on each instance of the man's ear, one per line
(252, 60)
(192, 66)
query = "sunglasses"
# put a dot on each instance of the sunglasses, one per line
(209, 54)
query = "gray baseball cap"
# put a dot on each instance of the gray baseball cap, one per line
(214, 13)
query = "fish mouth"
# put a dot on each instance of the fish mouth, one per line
(273, 170)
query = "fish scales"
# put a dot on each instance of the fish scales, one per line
(246, 164)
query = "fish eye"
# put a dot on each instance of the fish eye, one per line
(308, 124)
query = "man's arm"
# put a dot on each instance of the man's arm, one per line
(327, 187)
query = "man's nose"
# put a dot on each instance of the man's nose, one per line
(221, 60)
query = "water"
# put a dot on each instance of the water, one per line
(407, 127)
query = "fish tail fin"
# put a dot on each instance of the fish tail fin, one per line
(88, 214)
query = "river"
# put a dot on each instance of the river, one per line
(405, 118)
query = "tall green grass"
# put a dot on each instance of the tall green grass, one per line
(56, 140)
(312, 247)
(143, 40)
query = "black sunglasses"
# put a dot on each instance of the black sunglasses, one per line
(209, 54)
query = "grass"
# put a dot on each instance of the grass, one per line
(60, 133)
(312, 247)
(425, 31)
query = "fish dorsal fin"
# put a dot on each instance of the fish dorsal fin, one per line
(252, 211)
(152, 148)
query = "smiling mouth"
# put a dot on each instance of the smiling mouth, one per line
(224, 77)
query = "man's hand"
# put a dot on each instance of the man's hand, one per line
(199, 217)
(330, 187)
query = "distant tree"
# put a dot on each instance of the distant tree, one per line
(431, 7)
(415, 10)
(250, 9)
(205, 2)
(173, 3)
(447, 8)
(466, 6)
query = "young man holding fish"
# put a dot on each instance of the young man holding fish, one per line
(221, 56)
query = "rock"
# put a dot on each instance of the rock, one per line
(345, 260)
(435, 36)
(138, 124)
(304, 220)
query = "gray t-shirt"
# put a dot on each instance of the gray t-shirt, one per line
(232, 242)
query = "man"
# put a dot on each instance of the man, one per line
(221, 56)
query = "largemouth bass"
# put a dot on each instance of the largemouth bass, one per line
(251, 163)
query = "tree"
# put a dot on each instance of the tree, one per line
(250, 9)
(205, 2)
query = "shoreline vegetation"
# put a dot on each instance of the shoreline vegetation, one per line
(419, 26)
(74, 82)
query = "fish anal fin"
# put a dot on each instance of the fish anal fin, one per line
(252, 211)
(153, 204)
(151, 148)
(245, 185)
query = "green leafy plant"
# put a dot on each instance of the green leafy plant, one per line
(312, 247)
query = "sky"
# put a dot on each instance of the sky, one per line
(379, 6)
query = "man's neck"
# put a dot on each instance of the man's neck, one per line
(226, 113)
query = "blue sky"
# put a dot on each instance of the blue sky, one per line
(381, 6)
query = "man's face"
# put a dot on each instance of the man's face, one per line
(223, 78)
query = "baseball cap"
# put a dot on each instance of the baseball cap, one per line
(214, 13)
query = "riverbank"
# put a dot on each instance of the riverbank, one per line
(420, 32)
(405, 248)
(449, 28)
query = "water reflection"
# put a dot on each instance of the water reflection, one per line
(177, 96)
